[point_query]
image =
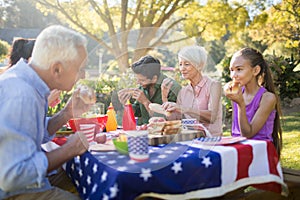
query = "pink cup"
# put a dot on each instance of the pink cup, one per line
(89, 131)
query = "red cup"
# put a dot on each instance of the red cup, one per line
(89, 131)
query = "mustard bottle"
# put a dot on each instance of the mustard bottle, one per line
(111, 124)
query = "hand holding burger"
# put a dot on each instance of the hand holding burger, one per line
(231, 87)
(87, 95)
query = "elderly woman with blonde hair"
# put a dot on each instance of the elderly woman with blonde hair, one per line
(201, 98)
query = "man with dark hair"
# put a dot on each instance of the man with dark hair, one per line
(150, 79)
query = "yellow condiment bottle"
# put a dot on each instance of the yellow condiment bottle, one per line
(111, 124)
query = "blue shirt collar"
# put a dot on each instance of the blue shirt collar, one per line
(29, 75)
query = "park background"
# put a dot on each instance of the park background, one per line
(120, 32)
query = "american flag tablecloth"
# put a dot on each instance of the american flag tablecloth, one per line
(178, 171)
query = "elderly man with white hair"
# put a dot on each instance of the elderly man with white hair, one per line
(201, 98)
(58, 61)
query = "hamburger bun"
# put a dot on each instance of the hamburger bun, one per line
(155, 107)
(87, 95)
(231, 87)
(156, 119)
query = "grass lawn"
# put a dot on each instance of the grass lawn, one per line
(290, 156)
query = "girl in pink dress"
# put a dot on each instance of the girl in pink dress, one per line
(256, 106)
(201, 98)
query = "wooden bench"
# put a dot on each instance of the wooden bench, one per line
(292, 179)
(291, 175)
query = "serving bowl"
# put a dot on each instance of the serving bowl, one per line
(100, 122)
(121, 146)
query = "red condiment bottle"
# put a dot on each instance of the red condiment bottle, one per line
(128, 121)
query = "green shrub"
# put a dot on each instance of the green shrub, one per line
(285, 78)
(226, 78)
(105, 87)
(4, 47)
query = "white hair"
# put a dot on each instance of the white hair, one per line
(56, 44)
(196, 55)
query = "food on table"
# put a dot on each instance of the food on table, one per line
(156, 119)
(231, 87)
(122, 137)
(156, 125)
(100, 138)
(155, 107)
(142, 127)
(87, 94)
(159, 126)
(172, 127)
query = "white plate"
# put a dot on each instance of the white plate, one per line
(222, 141)
(108, 146)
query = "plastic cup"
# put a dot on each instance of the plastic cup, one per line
(88, 130)
(138, 145)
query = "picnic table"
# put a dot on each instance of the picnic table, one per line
(180, 170)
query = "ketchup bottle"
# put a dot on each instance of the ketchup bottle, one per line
(111, 124)
(128, 121)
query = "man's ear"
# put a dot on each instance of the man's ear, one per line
(154, 79)
(56, 69)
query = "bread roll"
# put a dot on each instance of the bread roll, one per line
(171, 131)
(156, 119)
(231, 87)
(155, 107)
(156, 125)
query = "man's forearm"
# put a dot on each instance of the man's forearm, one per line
(58, 120)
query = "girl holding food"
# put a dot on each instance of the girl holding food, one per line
(256, 107)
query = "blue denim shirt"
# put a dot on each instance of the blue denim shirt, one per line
(23, 128)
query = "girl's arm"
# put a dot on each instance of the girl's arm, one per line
(267, 105)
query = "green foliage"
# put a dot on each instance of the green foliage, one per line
(242, 38)
(283, 18)
(214, 20)
(226, 78)
(64, 96)
(285, 78)
(4, 47)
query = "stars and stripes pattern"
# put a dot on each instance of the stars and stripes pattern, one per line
(178, 171)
